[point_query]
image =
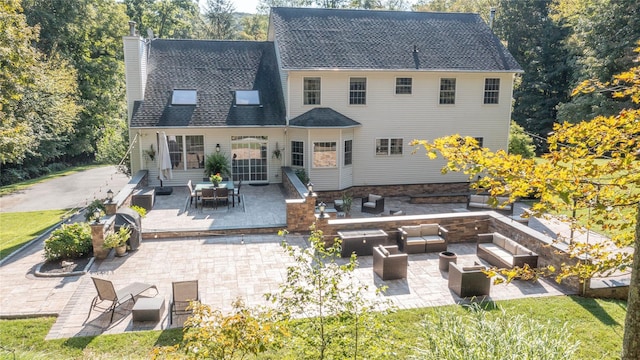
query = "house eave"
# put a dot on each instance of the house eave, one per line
(518, 71)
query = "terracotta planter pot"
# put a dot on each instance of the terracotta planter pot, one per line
(121, 250)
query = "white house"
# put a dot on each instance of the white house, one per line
(340, 93)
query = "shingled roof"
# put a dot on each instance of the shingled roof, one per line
(387, 40)
(323, 117)
(215, 69)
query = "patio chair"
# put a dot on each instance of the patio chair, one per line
(236, 191)
(207, 195)
(222, 196)
(184, 292)
(372, 204)
(107, 292)
(192, 193)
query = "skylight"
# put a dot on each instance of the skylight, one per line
(184, 97)
(247, 97)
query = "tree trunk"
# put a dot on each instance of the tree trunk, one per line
(631, 340)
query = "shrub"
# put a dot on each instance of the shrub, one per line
(302, 175)
(68, 242)
(217, 163)
(520, 143)
(140, 210)
(482, 335)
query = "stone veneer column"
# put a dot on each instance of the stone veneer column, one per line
(98, 231)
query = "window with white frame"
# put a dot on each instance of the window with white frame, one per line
(297, 153)
(390, 146)
(194, 148)
(186, 152)
(348, 152)
(357, 91)
(325, 154)
(491, 91)
(403, 85)
(447, 91)
(311, 91)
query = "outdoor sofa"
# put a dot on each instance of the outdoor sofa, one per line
(503, 252)
(423, 238)
(479, 201)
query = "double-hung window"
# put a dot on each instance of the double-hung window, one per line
(311, 91)
(447, 91)
(186, 152)
(403, 85)
(297, 153)
(357, 91)
(391, 146)
(348, 152)
(491, 91)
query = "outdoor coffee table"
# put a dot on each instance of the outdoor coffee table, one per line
(148, 309)
(361, 241)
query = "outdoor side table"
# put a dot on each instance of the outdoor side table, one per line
(148, 309)
(445, 258)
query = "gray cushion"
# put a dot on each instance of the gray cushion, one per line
(384, 251)
(374, 198)
(472, 268)
(429, 229)
(412, 230)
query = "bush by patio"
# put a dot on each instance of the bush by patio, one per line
(70, 241)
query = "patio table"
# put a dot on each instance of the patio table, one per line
(361, 241)
(207, 185)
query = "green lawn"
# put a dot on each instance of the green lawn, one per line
(596, 324)
(19, 228)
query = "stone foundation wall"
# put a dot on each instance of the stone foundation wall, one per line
(300, 214)
(394, 190)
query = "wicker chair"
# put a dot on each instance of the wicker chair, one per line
(389, 263)
(468, 281)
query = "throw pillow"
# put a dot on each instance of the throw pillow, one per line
(472, 268)
(374, 197)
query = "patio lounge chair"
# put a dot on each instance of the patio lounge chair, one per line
(107, 292)
(184, 292)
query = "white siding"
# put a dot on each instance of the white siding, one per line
(414, 116)
(212, 137)
(135, 60)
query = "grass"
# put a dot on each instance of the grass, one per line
(596, 324)
(18, 228)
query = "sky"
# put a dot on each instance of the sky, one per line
(246, 6)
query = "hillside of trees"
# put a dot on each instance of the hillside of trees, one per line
(62, 98)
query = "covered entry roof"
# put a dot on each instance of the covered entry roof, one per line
(323, 117)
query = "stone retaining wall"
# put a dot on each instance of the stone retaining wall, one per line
(463, 228)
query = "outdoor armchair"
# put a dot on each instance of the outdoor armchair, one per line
(468, 281)
(107, 292)
(184, 292)
(373, 204)
(389, 263)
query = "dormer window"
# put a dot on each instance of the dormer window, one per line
(247, 97)
(184, 97)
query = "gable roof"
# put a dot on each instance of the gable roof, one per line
(310, 38)
(322, 117)
(215, 69)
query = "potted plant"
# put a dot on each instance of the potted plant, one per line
(215, 179)
(118, 240)
(217, 163)
(347, 201)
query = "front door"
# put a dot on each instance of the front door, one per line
(249, 158)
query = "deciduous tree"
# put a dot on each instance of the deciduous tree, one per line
(574, 176)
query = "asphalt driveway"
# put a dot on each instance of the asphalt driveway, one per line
(71, 191)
